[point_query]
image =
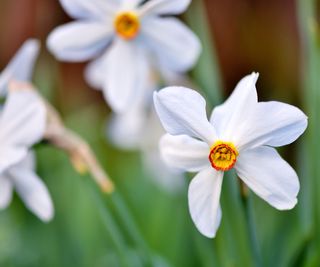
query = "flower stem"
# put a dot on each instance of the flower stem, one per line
(248, 209)
(111, 228)
(131, 226)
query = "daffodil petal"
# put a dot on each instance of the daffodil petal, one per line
(176, 47)
(164, 7)
(5, 191)
(269, 176)
(204, 198)
(95, 73)
(11, 155)
(130, 4)
(184, 152)
(84, 9)
(33, 192)
(169, 179)
(127, 69)
(272, 124)
(29, 161)
(230, 117)
(68, 43)
(23, 119)
(21, 66)
(182, 111)
(126, 130)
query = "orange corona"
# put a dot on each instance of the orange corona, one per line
(127, 25)
(223, 156)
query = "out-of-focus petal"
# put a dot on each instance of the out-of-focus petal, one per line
(79, 41)
(175, 45)
(95, 73)
(184, 152)
(204, 198)
(20, 68)
(164, 7)
(182, 111)
(5, 191)
(11, 155)
(127, 130)
(230, 117)
(93, 9)
(168, 178)
(269, 176)
(23, 119)
(130, 4)
(29, 161)
(272, 124)
(127, 72)
(32, 191)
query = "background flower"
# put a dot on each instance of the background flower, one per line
(23, 123)
(128, 38)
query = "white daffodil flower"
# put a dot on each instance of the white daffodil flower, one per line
(240, 134)
(22, 121)
(22, 124)
(127, 39)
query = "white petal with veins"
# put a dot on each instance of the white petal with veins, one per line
(269, 176)
(272, 124)
(184, 152)
(183, 112)
(204, 198)
(230, 117)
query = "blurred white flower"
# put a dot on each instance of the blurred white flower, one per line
(240, 134)
(128, 38)
(22, 124)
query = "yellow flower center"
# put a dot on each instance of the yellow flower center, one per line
(127, 25)
(223, 155)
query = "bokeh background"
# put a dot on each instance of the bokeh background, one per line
(278, 39)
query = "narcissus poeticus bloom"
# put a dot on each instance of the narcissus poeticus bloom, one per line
(240, 134)
(128, 40)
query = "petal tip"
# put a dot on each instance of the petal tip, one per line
(33, 44)
(288, 206)
(255, 76)
(47, 214)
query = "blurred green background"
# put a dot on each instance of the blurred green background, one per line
(143, 224)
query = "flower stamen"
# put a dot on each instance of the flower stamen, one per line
(223, 155)
(127, 25)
